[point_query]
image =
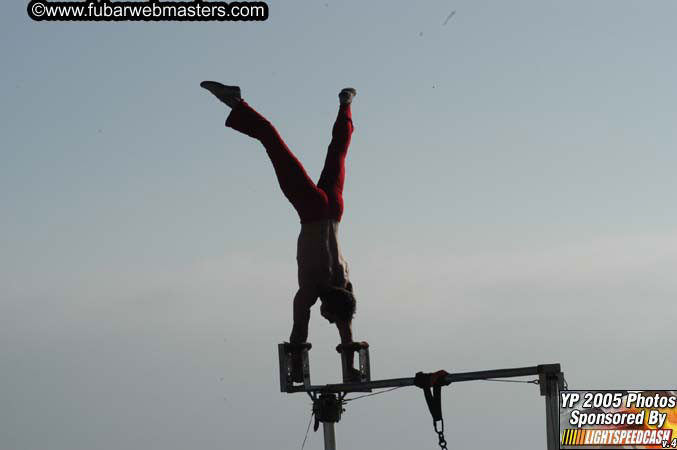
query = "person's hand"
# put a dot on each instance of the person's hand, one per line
(296, 368)
(355, 375)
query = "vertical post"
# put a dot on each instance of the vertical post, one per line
(285, 382)
(365, 370)
(327, 409)
(305, 360)
(551, 380)
(552, 411)
(329, 436)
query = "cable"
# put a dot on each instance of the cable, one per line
(373, 393)
(307, 429)
(510, 381)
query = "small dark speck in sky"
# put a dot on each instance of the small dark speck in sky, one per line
(449, 17)
(420, 34)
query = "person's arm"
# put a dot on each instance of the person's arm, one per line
(303, 300)
(346, 333)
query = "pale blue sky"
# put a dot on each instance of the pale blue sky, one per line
(509, 202)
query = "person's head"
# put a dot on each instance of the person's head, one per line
(338, 304)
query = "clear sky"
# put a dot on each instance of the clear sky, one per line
(509, 202)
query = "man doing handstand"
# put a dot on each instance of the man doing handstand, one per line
(322, 271)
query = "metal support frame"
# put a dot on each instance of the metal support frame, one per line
(329, 435)
(402, 382)
(363, 367)
(550, 379)
(284, 351)
(327, 409)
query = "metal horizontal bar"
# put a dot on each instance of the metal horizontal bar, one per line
(355, 387)
(452, 378)
(496, 373)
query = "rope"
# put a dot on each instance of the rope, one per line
(373, 393)
(307, 429)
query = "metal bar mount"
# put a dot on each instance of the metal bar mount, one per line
(298, 354)
(545, 369)
(327, 399)
(350, 374)
(327, 409)
(287, 354)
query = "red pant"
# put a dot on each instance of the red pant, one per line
(312, 202)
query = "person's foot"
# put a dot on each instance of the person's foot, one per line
(230, 95)
(346, 95)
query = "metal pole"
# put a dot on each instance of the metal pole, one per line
(395, 382)
(551, 380)
(552, 422)
(329, 436)
(552, 410)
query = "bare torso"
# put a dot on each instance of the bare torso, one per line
(319, 257)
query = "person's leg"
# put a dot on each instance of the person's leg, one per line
(309, 201)
(333, 174)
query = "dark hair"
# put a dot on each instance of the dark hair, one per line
(339, 301)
